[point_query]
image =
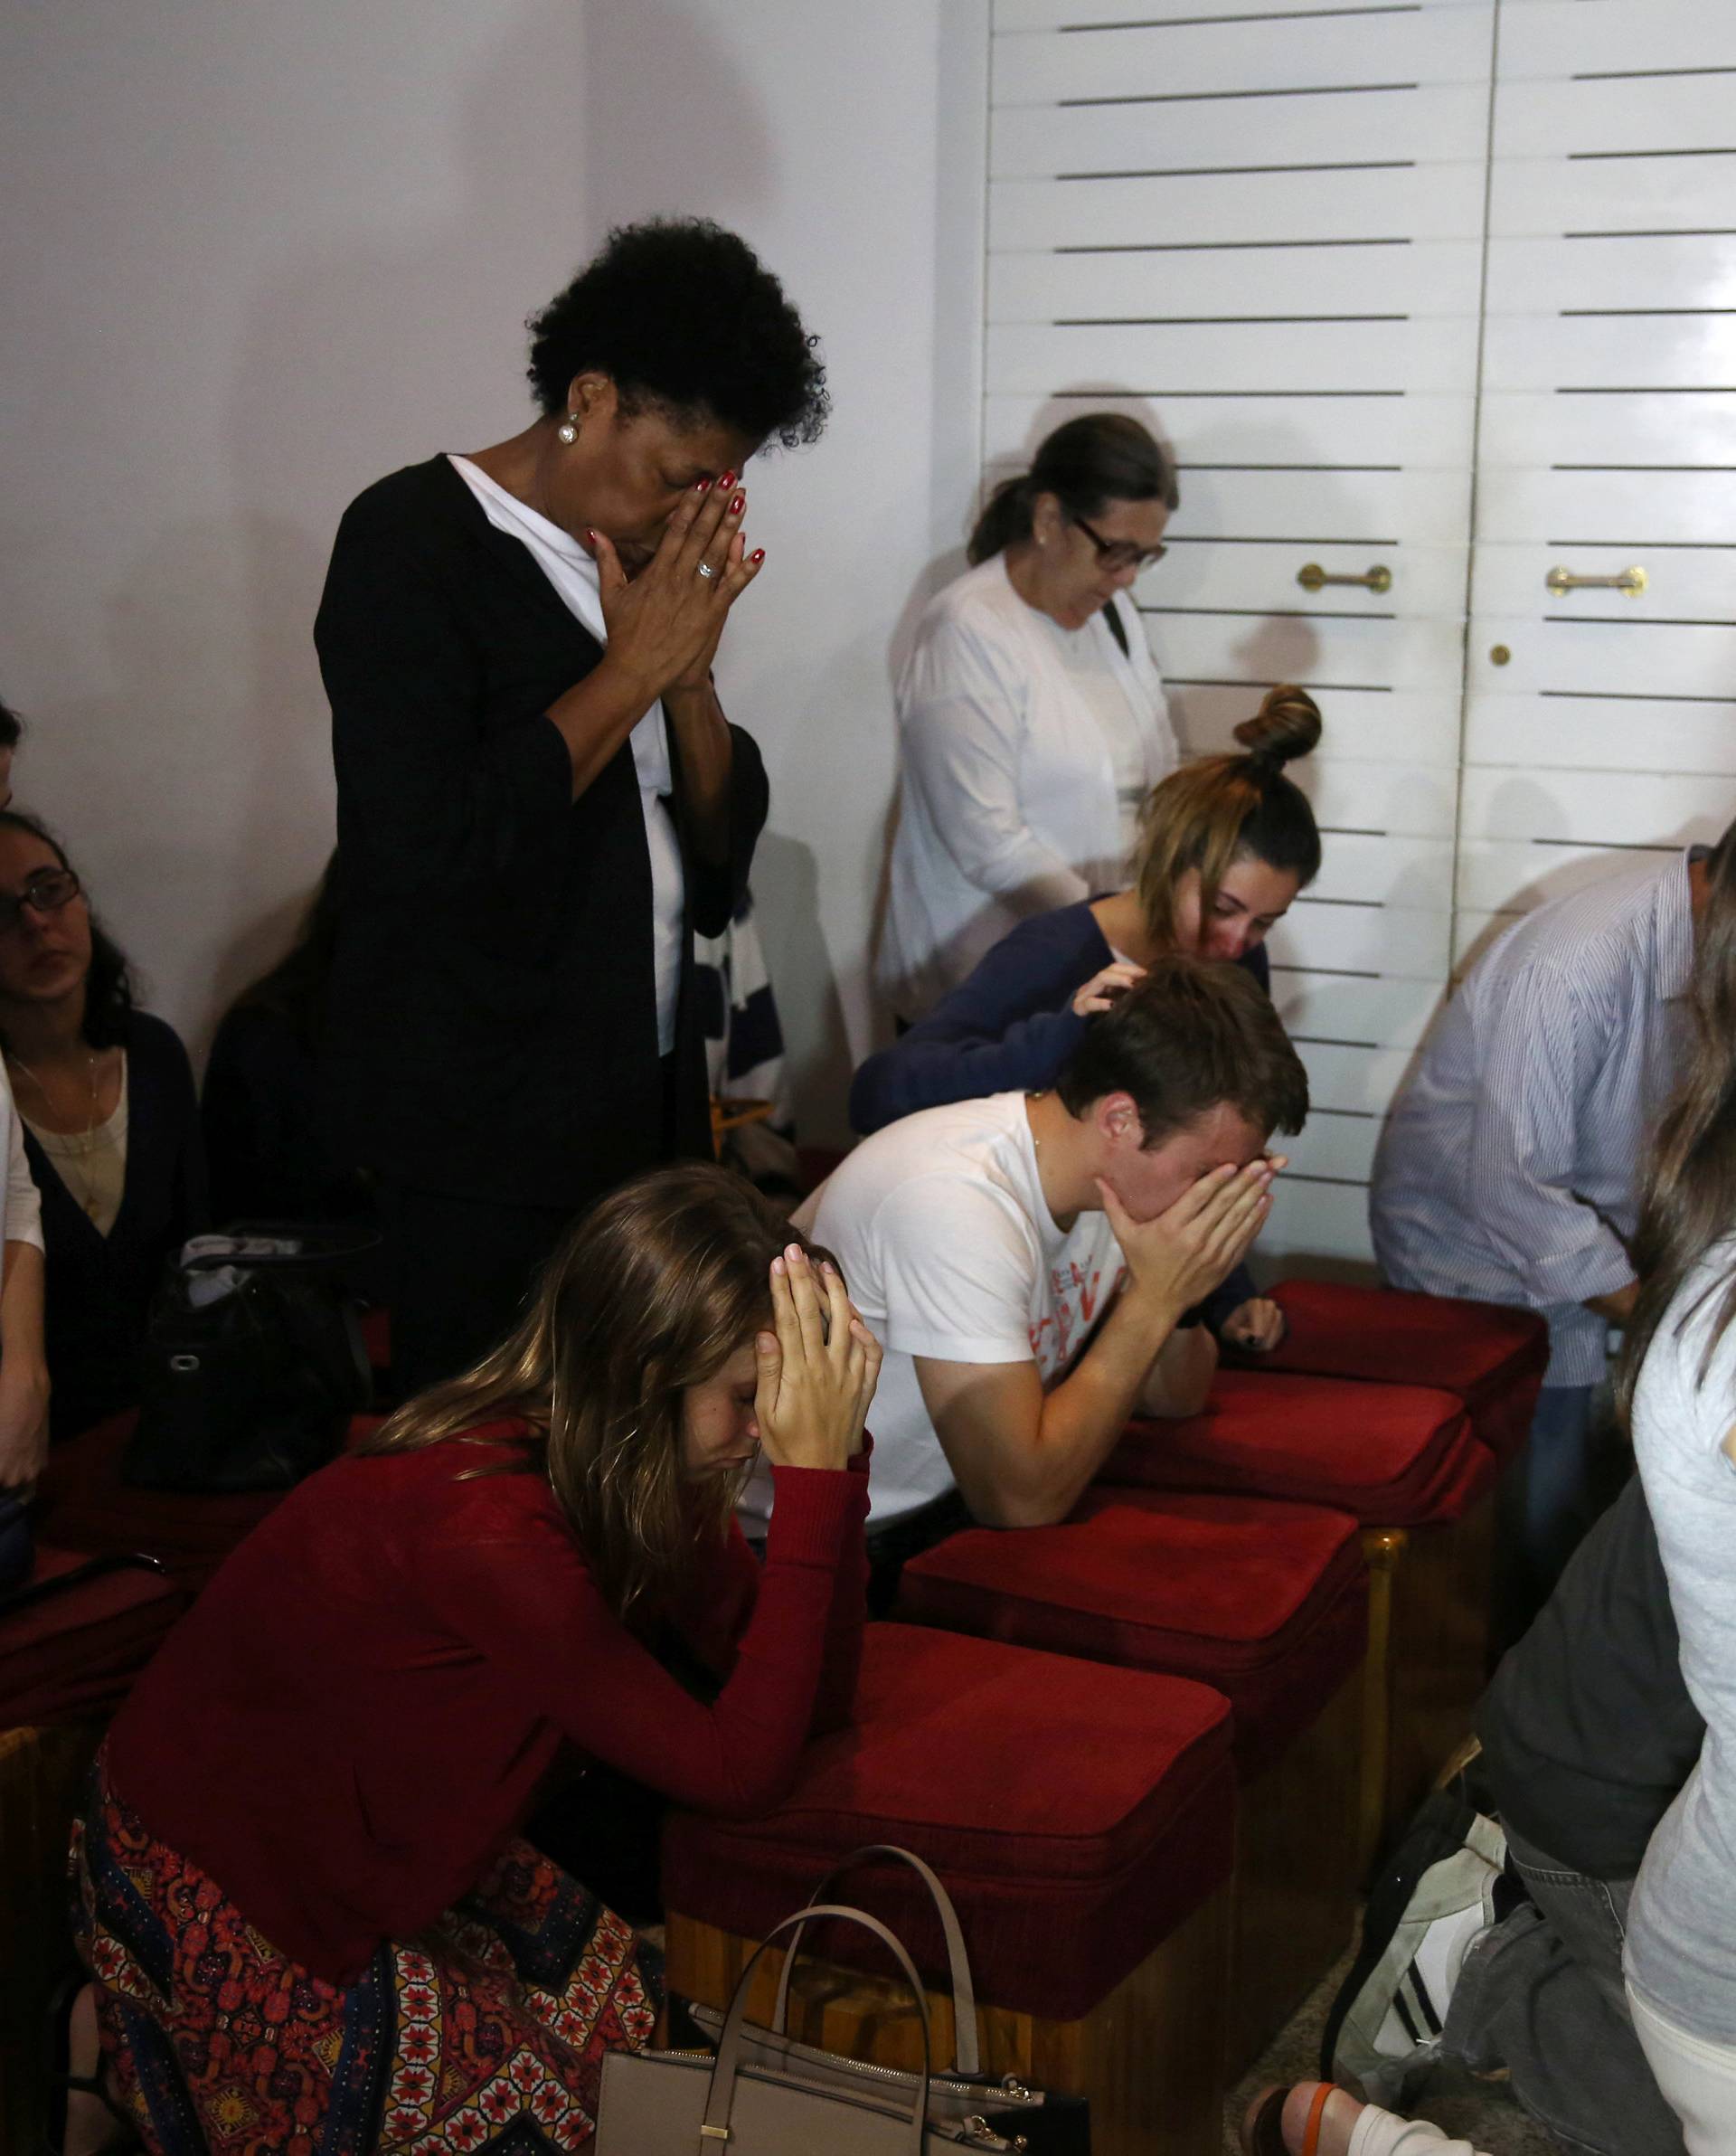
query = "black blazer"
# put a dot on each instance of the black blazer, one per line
(491, 1030)
(99, 1288)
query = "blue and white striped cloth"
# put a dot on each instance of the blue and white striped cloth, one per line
(1509, 1167)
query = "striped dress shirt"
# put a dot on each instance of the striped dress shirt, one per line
(1509, 1167)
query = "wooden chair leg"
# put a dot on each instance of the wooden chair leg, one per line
(1383, 1549)
(1429, 1600)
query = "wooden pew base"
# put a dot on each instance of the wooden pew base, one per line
(1149, 2057)
(1299, 1867)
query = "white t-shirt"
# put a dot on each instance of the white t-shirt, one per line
(1681, 1949)
(950, 1252)
(92, 1163)
(572, 572)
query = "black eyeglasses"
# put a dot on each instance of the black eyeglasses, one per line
(46, 892)
(1121, 554)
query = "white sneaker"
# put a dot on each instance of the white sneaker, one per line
(1434, 1901)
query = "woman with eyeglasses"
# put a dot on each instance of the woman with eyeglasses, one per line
(111, 1125)
(1032, 718)
(23, 1367)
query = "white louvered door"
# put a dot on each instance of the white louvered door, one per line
(1268, 228)
(1607, 443)
(1382, 272)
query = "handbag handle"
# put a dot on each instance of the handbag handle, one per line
(720, 2097)
(966, 2058)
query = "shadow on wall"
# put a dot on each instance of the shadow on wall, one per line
(549, 148)
(817, 1055)
(179, 614)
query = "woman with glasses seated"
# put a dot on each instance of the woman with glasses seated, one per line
(1032, 719)
(111, 1125)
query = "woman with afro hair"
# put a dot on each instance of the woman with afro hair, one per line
(540, 801)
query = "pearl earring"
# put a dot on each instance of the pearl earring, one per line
(567, 429)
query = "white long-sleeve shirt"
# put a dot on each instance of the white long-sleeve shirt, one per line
(24, 1215)
(1008, 800)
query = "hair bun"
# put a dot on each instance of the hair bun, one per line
(1286, 726)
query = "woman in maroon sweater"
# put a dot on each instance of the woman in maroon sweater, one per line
(300, 1888)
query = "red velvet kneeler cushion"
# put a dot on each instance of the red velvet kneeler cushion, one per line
(1264, 1601)
(1492, 1358)
(1077, 1813)
(1389, 1455)
(75, 1653)
(82, 1504)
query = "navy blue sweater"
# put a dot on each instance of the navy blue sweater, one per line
(1008, 1027)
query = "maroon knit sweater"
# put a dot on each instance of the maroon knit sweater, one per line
(360, 1707)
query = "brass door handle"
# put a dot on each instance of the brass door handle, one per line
(1311, 577)
(1630, 580)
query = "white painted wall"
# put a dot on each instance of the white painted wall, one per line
(258, 256)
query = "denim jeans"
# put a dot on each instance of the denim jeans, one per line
(1542, 1996)
(1544, 1506)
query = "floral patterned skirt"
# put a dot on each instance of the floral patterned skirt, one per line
(485, 2034)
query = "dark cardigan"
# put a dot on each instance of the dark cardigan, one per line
(492, 1030)
(1009, 1026)
(99, 1288)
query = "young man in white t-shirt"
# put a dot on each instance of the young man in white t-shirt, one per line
(1026, 1260)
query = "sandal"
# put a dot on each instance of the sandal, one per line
(63, 2083)
(1262, 2130)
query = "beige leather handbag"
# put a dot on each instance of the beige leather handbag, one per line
(985, 2110)
(957, 2106)
(689, 2103)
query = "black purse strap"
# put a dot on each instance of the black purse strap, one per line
(61, 1583)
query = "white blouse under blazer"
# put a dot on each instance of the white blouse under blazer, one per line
(1007, 801)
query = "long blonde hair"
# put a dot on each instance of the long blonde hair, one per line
(1216, 810)
(652, 1291)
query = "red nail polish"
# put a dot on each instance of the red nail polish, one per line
(702, 486)
(756, 556)
(728, 479)
(590, 535)
(738, 505)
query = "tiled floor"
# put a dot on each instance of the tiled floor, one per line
(1485, 2113)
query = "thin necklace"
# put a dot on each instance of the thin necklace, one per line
(18, 1063)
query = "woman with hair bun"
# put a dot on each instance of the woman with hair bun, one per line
(1226, 841)
(1032, 719)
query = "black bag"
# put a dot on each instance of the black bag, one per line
(17, 1548)
(253, 1362)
